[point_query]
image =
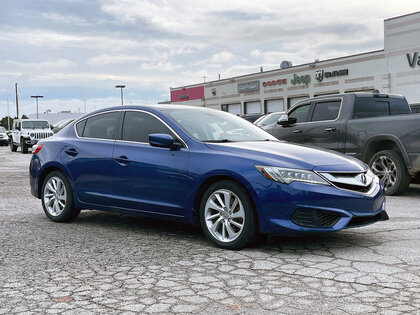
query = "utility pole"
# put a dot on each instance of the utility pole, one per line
(17, 102)
(8, 115)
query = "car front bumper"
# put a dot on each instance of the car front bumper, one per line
(300, 208)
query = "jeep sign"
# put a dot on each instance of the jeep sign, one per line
(301, 79)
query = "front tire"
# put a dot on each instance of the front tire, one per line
(24, 146)
(57, 198)
(390, 168)
(13, 147)
(227, 216)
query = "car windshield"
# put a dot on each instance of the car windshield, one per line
(35, 124)
(217, 126)
(2, 129)
(269, 119)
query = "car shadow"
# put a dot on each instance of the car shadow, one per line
(267, 243)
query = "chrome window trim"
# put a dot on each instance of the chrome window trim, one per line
(120, 140)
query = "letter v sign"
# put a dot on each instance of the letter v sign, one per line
(412, 62)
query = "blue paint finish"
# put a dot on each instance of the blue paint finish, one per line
(137, 178)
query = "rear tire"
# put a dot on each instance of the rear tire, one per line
(13, 147)
(390, 168)
(227, 216)
(57, 198)
(24, 146)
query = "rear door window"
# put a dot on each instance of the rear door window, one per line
(326, 110)
(138, 126)
(100, 126)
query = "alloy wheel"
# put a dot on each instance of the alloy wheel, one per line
(386, 170)
(224, 215)
(55, 196)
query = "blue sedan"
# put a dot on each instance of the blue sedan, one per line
(204, 167)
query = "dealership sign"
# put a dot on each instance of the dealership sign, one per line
(187, 94)
(301, 79)
(321, 74)
(274, 82)
(412, 61)
(249, 86)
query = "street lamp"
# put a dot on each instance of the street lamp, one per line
(121, 87)
(36, 96)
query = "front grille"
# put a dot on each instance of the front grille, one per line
(314, 218)
(365, 220)
(41, 135)
(350, 181)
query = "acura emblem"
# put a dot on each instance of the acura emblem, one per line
(362, 178)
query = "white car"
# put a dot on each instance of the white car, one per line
(4, 139)
(27, 132)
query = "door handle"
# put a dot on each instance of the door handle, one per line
(122, 159)
(72, 152)
(330, 129)
(298, 131)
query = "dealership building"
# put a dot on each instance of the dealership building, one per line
(394, 69)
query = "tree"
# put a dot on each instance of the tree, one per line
(25, 117)
(3, 122)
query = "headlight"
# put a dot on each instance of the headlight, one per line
(32, 135)
(288, 175)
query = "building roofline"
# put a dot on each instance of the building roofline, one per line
(274, 70)
(400, 16)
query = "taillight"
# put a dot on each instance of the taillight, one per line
(36, 148)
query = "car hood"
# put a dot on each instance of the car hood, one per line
(284, 154)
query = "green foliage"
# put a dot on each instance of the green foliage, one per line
(25, 117)
(3, 122)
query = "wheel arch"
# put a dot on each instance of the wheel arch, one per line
(47, 169)
(384, 142)
(213, 178)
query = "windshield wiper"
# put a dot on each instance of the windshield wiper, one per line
(218, 141)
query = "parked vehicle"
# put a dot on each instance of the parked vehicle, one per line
(268, 119)
(4, 139)
(27, 132)
(375, 128)
(250, 117)
(173, 162)
(61, 124)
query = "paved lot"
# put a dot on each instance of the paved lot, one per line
(108, 263)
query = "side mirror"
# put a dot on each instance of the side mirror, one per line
(162, 140)
(51, 126)
(285, 120)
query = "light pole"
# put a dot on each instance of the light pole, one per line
(37, 96)
(17, 101)
(121, 87)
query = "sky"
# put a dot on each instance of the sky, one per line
(75, 51)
